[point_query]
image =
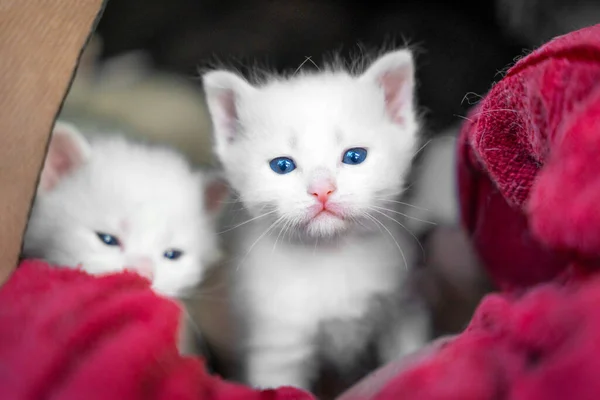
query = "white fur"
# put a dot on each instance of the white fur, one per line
(148, 197)
(295, 271)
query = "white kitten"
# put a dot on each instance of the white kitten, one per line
(317, 159)
(106, 204)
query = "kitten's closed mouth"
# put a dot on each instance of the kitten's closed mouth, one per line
(326, 221)
(326, 213)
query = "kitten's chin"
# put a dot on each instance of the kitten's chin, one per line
(326, 224)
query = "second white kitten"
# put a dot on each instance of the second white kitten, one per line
(106, 204)
(320, 264)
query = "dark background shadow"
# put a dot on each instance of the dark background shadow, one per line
(460, 46)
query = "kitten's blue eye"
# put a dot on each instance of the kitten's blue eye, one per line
(107, 239)
(282, 165)
(173, 254)
(354, 156)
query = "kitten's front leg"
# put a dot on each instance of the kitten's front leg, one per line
(280, 357)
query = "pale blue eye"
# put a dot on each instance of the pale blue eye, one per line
(354, 156)
(107, 239)
(282, 165)
(173, 254)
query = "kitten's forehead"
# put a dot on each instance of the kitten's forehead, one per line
(141, 192)
(127, 179)
(315, 103)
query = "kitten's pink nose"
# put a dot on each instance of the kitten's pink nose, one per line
(142, 266)
(322, 190)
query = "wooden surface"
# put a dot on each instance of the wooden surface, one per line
(40, 44)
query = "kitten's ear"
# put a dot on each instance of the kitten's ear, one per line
(216, 191)
(67, 151)
(224, 91)
(394, 73)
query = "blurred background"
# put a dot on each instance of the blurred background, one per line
(461, 48)
(139, 74)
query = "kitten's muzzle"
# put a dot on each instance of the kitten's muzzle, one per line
(143, 267)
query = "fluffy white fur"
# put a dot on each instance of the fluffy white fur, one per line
(298, 271)
(148, 197)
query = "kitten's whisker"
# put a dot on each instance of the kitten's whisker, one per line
(248, 221)
(277, 221)
(406, 215)
(280, 232)
(374, 219)
(402, 203)
(404, 227)
(421, 148)
(358, 221)
(365, 214)
(291, 230)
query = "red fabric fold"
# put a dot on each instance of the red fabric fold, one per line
(527, 173)
(541, 345)
(67, 335)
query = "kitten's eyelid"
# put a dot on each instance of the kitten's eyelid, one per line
(175, 248)
(280, 156)
(355, 147)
